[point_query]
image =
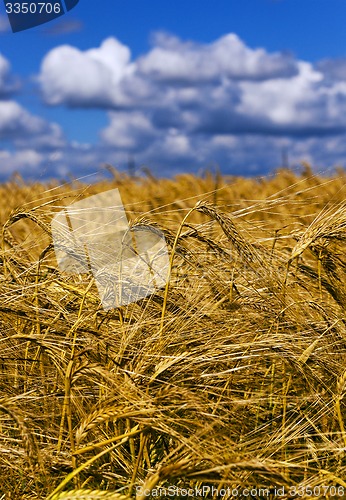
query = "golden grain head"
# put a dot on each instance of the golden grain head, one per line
(233, 376)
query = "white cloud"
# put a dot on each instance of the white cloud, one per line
(20, 126)
(15, 119)
(8, 84)
(177, 144)
(128, 130)
(215, 88)
(75, 78)
(283, 101)
(106, 77)
(177, 61)
(181, 106)
(333, 69)
(26, 161)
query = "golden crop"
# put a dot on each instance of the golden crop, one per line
(233, 376)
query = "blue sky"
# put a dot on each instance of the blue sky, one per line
(178, 86)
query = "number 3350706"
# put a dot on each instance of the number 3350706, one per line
(33, 8)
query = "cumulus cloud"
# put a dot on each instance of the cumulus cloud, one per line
(217, 88)
(89, 79)
(30, 142)
(106, 77)
(173, 60)
(14, 119)
(183, 105)
(130, 131)
(27, 161)
(301, 104)
(333, 69)
(8, 83)
(20, 126)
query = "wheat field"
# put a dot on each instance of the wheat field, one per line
(229, 380)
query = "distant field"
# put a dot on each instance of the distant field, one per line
(228, 383)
